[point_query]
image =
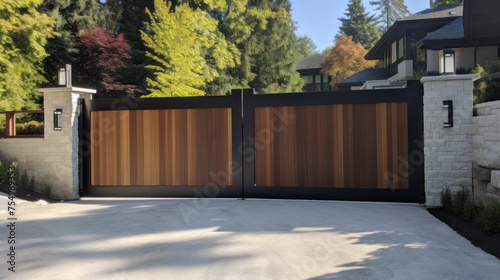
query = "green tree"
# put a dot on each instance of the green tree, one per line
(71, 18)
(390, 10)
(23, 35)
(182, 41)
(360, 25)
(270, 52)
(306, 46)
(439, 2)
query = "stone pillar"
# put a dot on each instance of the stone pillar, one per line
(448, 150)
(61, 146)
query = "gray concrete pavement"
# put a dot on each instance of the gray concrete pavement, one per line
(234, 239)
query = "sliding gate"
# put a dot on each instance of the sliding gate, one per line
(353, 145)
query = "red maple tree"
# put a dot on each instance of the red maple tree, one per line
(101, 56)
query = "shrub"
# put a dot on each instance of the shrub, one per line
(469, 211)
(24, 181)
(490, 216)
(29, 128)
(459, 201)
(446, 200)
(47, 190)
(31, 184)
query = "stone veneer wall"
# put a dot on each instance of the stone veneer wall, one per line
(448, 151)
(486, 143)
(53, 159)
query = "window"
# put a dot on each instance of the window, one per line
(308, 79)
(401, 48)
(314, 83)
(394, 50)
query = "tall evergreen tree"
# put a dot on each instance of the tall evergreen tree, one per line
(132, 22)
(306, 46)
(269, 54)
(390, 10)
(360, 25)
(72, 18)
(439, 2)
(23, 35)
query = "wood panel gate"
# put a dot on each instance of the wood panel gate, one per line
(353, 145)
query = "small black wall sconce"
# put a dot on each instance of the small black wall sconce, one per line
(449, 105)
(57, 113)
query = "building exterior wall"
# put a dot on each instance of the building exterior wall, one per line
(486, 55)
(464, 58)
(486, 143)
(405, 69)
(432, 61)
(51, 160)
(448, 151)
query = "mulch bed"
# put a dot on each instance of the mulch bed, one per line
(472, 231)
(27, 194)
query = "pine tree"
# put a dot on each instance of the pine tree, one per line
(360, 25)
(23, 35)
(72, 18)
(179, 41)
(439, 2)
(306, 46)
(390, 10)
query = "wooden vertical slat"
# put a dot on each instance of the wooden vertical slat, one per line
(348, 145)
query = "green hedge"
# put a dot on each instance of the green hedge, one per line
(29, 128)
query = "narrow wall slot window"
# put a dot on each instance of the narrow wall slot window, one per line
(448, 104)
(57, 122)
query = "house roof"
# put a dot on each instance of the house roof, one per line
(441, 11)
(363, 76)
(479, 26)
(311, 62)
(425, 21)
(453, 30)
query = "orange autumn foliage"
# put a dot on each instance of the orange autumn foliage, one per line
(346, 59)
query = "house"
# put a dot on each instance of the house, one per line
(446, 39)
(309, 69)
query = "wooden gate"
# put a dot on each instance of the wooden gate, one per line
(353, 145)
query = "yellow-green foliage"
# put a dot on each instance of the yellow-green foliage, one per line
(29, 128)
(181, 43)
(23, 35)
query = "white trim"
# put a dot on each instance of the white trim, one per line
(450, 78)
(76, 90)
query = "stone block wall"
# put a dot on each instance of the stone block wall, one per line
(448, 150)
(53, 159)
(486, 144)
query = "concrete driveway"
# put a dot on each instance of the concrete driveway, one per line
(234, 239)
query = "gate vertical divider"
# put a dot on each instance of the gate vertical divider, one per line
(415, 138)
(248, 153)
(237, 140)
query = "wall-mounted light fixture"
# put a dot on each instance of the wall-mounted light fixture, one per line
(57, 125)
(448, 61)
(448, 104)
(64, 76)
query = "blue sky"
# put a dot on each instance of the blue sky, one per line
(319, 18)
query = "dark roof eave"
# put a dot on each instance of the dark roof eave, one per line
(372, 54)
(457, 43)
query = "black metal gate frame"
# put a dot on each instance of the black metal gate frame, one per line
(243, 103)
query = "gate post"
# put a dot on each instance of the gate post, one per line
(448, 129)
(61, 111)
